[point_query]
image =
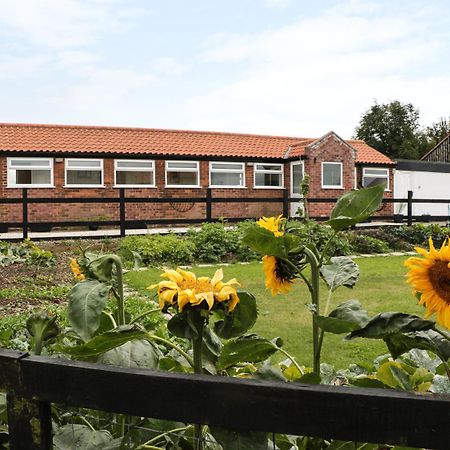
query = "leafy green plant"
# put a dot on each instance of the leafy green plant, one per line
(159, 249)
(361, 243)
(26, 252)
(213, 242)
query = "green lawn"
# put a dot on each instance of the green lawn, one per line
(381, 287)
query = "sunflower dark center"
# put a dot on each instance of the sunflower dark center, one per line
(283, 271)
(439, 275)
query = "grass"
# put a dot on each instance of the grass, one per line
(381, 287)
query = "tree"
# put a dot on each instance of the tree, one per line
(436, 132)
(393, 129)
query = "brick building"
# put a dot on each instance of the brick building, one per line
(56, 161)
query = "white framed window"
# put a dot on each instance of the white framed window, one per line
(297, 174)
(134, 173)
(268, 175)
(226, 174)
(332, 175)
(83, 172)
(372, 176)
(182, 174)
(30, 172)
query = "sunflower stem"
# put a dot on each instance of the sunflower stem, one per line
(315, 277)
(153, 337)
(282, 350)
(197, 347)
(120, 300)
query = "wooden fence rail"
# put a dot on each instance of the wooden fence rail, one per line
(209, 200)
(355, 414)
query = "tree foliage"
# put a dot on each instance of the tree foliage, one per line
(394, 129)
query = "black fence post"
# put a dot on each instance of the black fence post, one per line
(122, 212)
(208, 204)
(286, 203)
(29, 424)
(25, 213)
(410, 205)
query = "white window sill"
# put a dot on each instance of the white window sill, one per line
(30, 186)
(135, 186)
(228, 187)
(268, 187)
(79, 186)
(333, 187)
(182, 187)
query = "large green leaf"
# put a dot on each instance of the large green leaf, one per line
(251, 348)
(80, 437)
(342, 271)
(86, 303)
(42, 326)
(356, 206)
(431, 340)
(389, 323)
(392, 374)
(186, 324)
(135, 353)
(105, 342)
(240, 320)
(346, 317)
(234, 440)
(266, 243)
(102, 268)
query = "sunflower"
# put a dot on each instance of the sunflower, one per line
(273, 224)
(76, 270)
(430, 276)
(183, 288)
(277, 276)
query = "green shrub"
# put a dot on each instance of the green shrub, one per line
(418, 234)
(320, 235)
(242, 252)
(395, 242)
(213, 242)
(158, 249)
(367, 244)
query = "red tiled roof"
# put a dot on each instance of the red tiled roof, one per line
(157, 142)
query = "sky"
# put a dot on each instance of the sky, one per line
(279, 67)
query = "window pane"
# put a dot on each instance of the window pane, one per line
(373, 181)
(84, 177)
(297, 178)
(134, 164)
(226, 179)
(83, 163)
(332, 175)
(30, 163)
(182, 178)
(226, 166)
(181, 165)
(267, 179)
(33, 177)
(377, 172)
(134, 177)
(275, 167)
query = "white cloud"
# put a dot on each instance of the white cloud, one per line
(168, 66)
(323, 72)
(64, 23)
(277, 3)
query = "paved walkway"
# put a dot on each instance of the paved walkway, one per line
(115, 232)
(87, 234)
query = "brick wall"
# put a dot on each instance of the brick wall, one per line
(331, 149)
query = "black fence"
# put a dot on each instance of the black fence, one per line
(381, 416)
(209, 200)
